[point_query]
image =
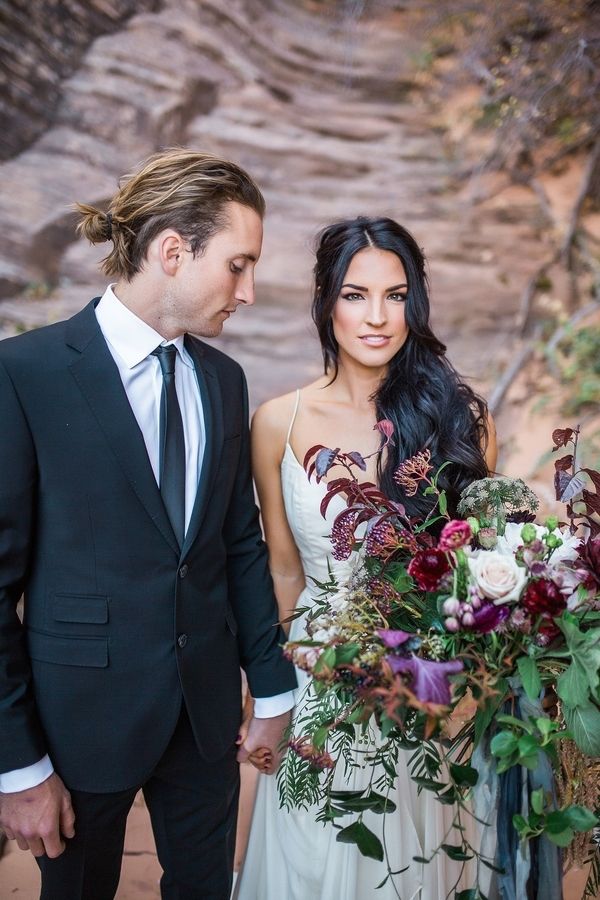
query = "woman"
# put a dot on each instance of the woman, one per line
(382, 361)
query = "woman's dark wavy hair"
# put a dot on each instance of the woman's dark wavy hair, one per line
(422, 394)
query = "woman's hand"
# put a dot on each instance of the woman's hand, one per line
(261, 758)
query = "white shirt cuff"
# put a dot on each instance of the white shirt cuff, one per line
(269, 707)
(23, 779)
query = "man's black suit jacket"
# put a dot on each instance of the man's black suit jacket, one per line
(120, 625)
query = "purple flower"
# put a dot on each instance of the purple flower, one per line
(488, 617)
(392, 638)
(429, 679)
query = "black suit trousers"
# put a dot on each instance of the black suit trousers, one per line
(193, 808)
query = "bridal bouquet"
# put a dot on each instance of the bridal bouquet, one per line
(487, 614)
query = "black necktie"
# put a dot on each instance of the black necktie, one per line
(172, 444)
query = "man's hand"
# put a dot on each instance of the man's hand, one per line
(265, 734)
(38, 818)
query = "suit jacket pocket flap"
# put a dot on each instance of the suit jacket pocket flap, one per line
(68, 651)
(85, 608)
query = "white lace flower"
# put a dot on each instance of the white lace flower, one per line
(511, 540)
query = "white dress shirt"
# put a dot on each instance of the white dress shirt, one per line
(131, 342)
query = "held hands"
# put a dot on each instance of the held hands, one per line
(260, 739)
(38, 818)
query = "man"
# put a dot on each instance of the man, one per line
(127, 519)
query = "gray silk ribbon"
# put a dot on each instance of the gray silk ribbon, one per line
(532, 869)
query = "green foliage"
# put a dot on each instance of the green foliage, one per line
(520, 743)
(530, 676)
(558, 825)
(577, 359)
(367, 842)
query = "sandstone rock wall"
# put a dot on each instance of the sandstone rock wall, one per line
(320, 102)
(42, 42)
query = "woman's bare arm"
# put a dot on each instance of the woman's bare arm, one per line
(269, 427)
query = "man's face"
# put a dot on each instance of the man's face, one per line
(209, 288)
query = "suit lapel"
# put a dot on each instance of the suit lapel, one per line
(98, 378)
(212, 406)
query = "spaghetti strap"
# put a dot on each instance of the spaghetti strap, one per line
(293, 419)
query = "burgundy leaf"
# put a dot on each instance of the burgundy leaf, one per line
(429, 679)
(572, 488)
(561, 437)
(595, 476)
(365, 515)
(564, 463)
(357, 459)
(324, 461)
(333, 488)
(594, 527)
(311, 452)
(592, 502)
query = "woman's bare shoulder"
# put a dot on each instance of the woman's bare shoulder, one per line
(274, 416)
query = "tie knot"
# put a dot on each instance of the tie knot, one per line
(166, 357)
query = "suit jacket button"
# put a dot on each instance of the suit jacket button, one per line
(183, 570)
(182, 640)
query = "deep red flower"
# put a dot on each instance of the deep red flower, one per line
(546, 633)
(542, 597)
(428, 567)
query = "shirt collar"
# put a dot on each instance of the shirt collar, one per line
(131, 337)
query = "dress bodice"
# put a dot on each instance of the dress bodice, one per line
(302, 499)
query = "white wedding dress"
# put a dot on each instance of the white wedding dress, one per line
(290, 856)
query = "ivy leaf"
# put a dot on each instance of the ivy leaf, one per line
(367, 842)
(504, 744)
(464, 775)
(561, 838)
(580, 818)
(528, 746)
(530, 676)
(456, 851)
(537, 801)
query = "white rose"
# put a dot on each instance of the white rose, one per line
(497, 576)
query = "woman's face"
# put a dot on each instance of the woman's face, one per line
(368, 316)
